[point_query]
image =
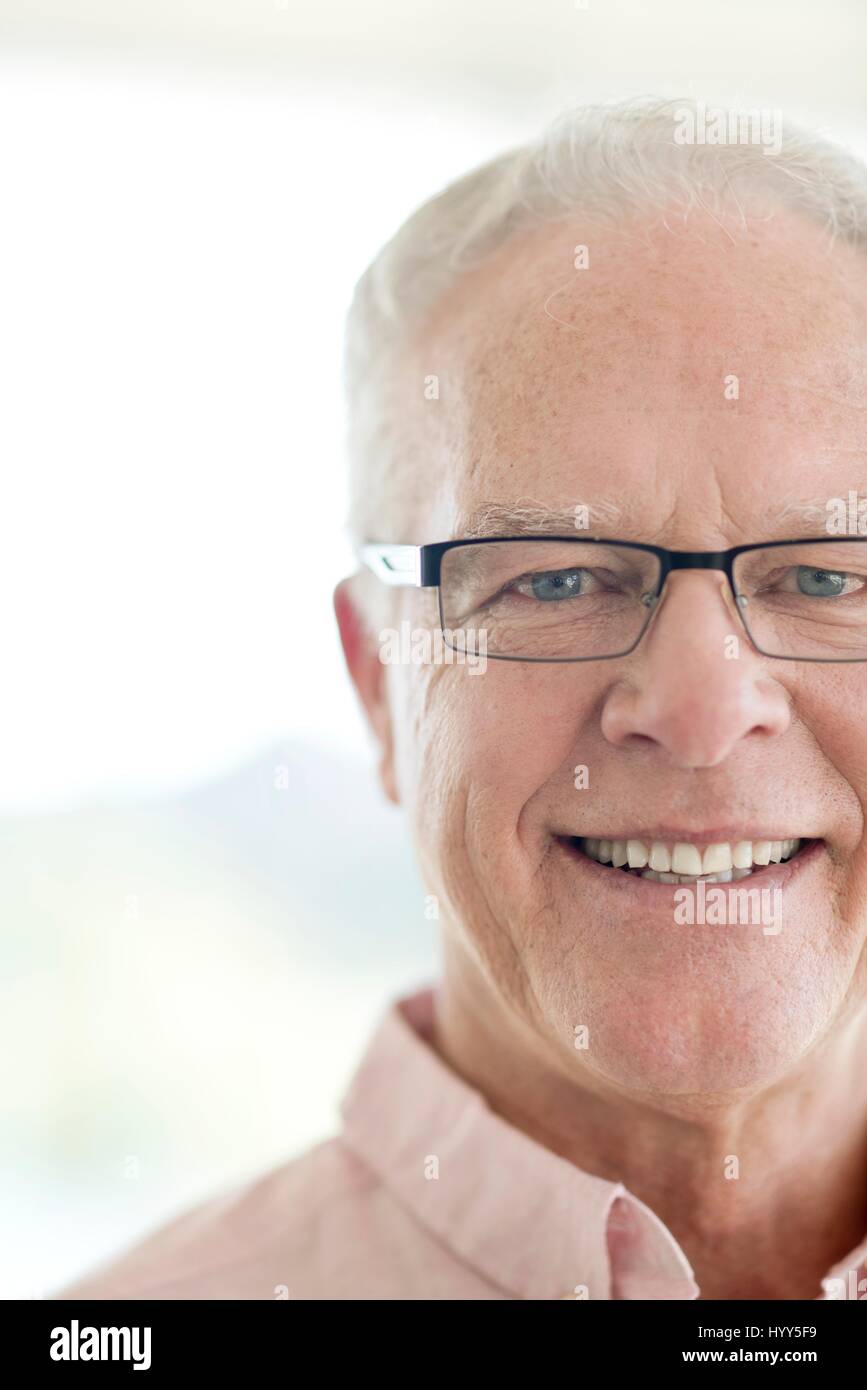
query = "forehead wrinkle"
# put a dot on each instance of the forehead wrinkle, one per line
(535, 389)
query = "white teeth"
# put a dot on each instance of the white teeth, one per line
(686, 859)
(716, 859)
(636, 854)
(660, 859)
(683, 862)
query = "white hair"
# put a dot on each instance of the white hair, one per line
(602, 161)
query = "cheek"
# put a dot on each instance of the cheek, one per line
(843, 738)
(521, 729)
(832, 706)
(840, 729)
(473, 750)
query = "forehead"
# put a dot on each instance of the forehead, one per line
(696, 374)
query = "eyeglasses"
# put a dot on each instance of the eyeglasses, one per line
(556, 598)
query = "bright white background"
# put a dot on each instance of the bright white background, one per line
(192, 954)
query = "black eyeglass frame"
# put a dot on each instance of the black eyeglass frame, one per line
(421, 566)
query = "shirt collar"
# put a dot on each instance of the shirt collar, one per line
(532, 1223)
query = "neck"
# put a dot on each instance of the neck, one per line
(764, 1192)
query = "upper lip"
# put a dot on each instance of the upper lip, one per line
(667, 834)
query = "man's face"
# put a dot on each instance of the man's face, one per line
(565, 386)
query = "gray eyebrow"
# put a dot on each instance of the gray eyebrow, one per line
(525, 517)
(814, 513)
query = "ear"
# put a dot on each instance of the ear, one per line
(368, 677)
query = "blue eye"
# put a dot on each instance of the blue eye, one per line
(559, 584)
(820, 583)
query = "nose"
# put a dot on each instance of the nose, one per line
(694, 686)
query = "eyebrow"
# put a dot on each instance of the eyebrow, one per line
(808, 514)
(526, 517)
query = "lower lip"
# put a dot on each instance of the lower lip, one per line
(766, 876)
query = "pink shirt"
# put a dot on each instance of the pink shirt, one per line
(425, 1194)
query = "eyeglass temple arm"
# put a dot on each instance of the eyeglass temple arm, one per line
(393, 564)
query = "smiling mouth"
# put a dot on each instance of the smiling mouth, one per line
(683, 861)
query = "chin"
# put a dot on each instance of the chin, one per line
(686, 1039)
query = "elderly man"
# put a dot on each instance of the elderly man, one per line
(608, 408)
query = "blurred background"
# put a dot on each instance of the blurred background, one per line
(206, 904)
